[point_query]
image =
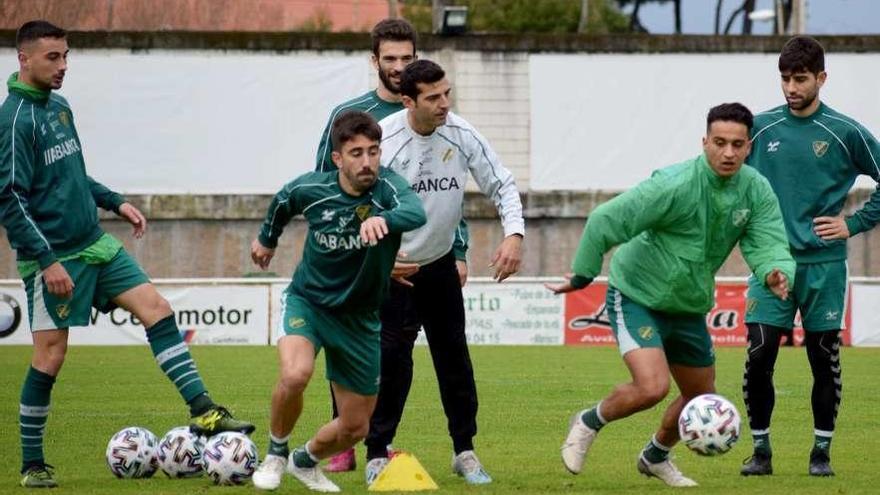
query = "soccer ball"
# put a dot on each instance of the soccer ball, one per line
(180, 453)
(230, 458)
(131, 453)
(709, 424)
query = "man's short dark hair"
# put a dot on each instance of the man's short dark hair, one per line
(351, 124)
(730, 112)
(420, 71)
(34, 30)
(802, 54)
(392, 30)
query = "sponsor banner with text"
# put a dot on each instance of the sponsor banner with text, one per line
(206, 314)
(586, 318)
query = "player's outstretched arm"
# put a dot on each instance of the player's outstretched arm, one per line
(284, 206)
(764, 243)
(571, 284)
(133, 216)
(260, 254)
(104, 197)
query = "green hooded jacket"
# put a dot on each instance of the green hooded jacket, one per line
(677, 229)
(47, 201)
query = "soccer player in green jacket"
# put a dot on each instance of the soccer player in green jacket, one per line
(356, 217)
(675, 231)
(811, 155)
(394, 47)
(68, 263)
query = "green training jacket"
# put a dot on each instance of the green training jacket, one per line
(47, 200)
(339, 270)
(812, 163)
(677, 228)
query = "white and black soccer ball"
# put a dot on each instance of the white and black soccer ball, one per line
(131, 453)
(709, 424)
(230, 458)
(180, 453)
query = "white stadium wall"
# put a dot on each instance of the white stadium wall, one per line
(240, 122)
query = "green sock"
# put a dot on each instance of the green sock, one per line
(655, 452)
(593, 418)
(822, 442)
(174, 359)
(278, 446)
(761, 443)
(303, 458)
(33, 414)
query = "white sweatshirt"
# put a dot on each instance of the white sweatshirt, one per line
(436, 167)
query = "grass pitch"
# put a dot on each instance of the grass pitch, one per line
(527, 395)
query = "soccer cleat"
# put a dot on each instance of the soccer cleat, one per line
(374, 468)
(468, 466)
(39, 476)
(577, 444)
(820, 463)
(218, 419)
(666, 471)
(341, 462)
(759, 464)
(312, 477)
(268, 475)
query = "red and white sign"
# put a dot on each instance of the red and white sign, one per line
(586, 318)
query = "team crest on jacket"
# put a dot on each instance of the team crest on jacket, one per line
(363, 212)
(740, 217)
(819, 148)
(64, 118)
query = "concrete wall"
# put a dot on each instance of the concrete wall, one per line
(209, 236)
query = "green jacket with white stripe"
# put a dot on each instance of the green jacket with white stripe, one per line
(47, 201)
(812, 162)
(677, 228)
(339, 270)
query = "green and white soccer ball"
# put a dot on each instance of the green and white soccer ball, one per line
(709, 425)
(131, 453)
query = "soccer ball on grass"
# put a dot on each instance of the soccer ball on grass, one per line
(131, 453)
(709, 425)
(230, 458)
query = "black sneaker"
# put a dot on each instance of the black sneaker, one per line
(758, 464)
(820, 463)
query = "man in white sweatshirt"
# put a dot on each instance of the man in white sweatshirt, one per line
(435, 150)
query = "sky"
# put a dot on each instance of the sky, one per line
(823, 17)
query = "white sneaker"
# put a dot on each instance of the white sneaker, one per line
(374, 468)
(577, 443)
(268, 474)
(666, 471)
(468, 466)
(312, 477)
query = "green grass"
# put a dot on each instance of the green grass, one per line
(527, 395)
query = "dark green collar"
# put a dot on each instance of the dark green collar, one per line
(26, 89)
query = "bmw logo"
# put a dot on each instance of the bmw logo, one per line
(10, 315)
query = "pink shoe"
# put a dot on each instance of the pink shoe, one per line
(341, 462)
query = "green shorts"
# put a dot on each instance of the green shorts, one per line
(683, 337)
(819, 292)
(350, 341)
(95, 284)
